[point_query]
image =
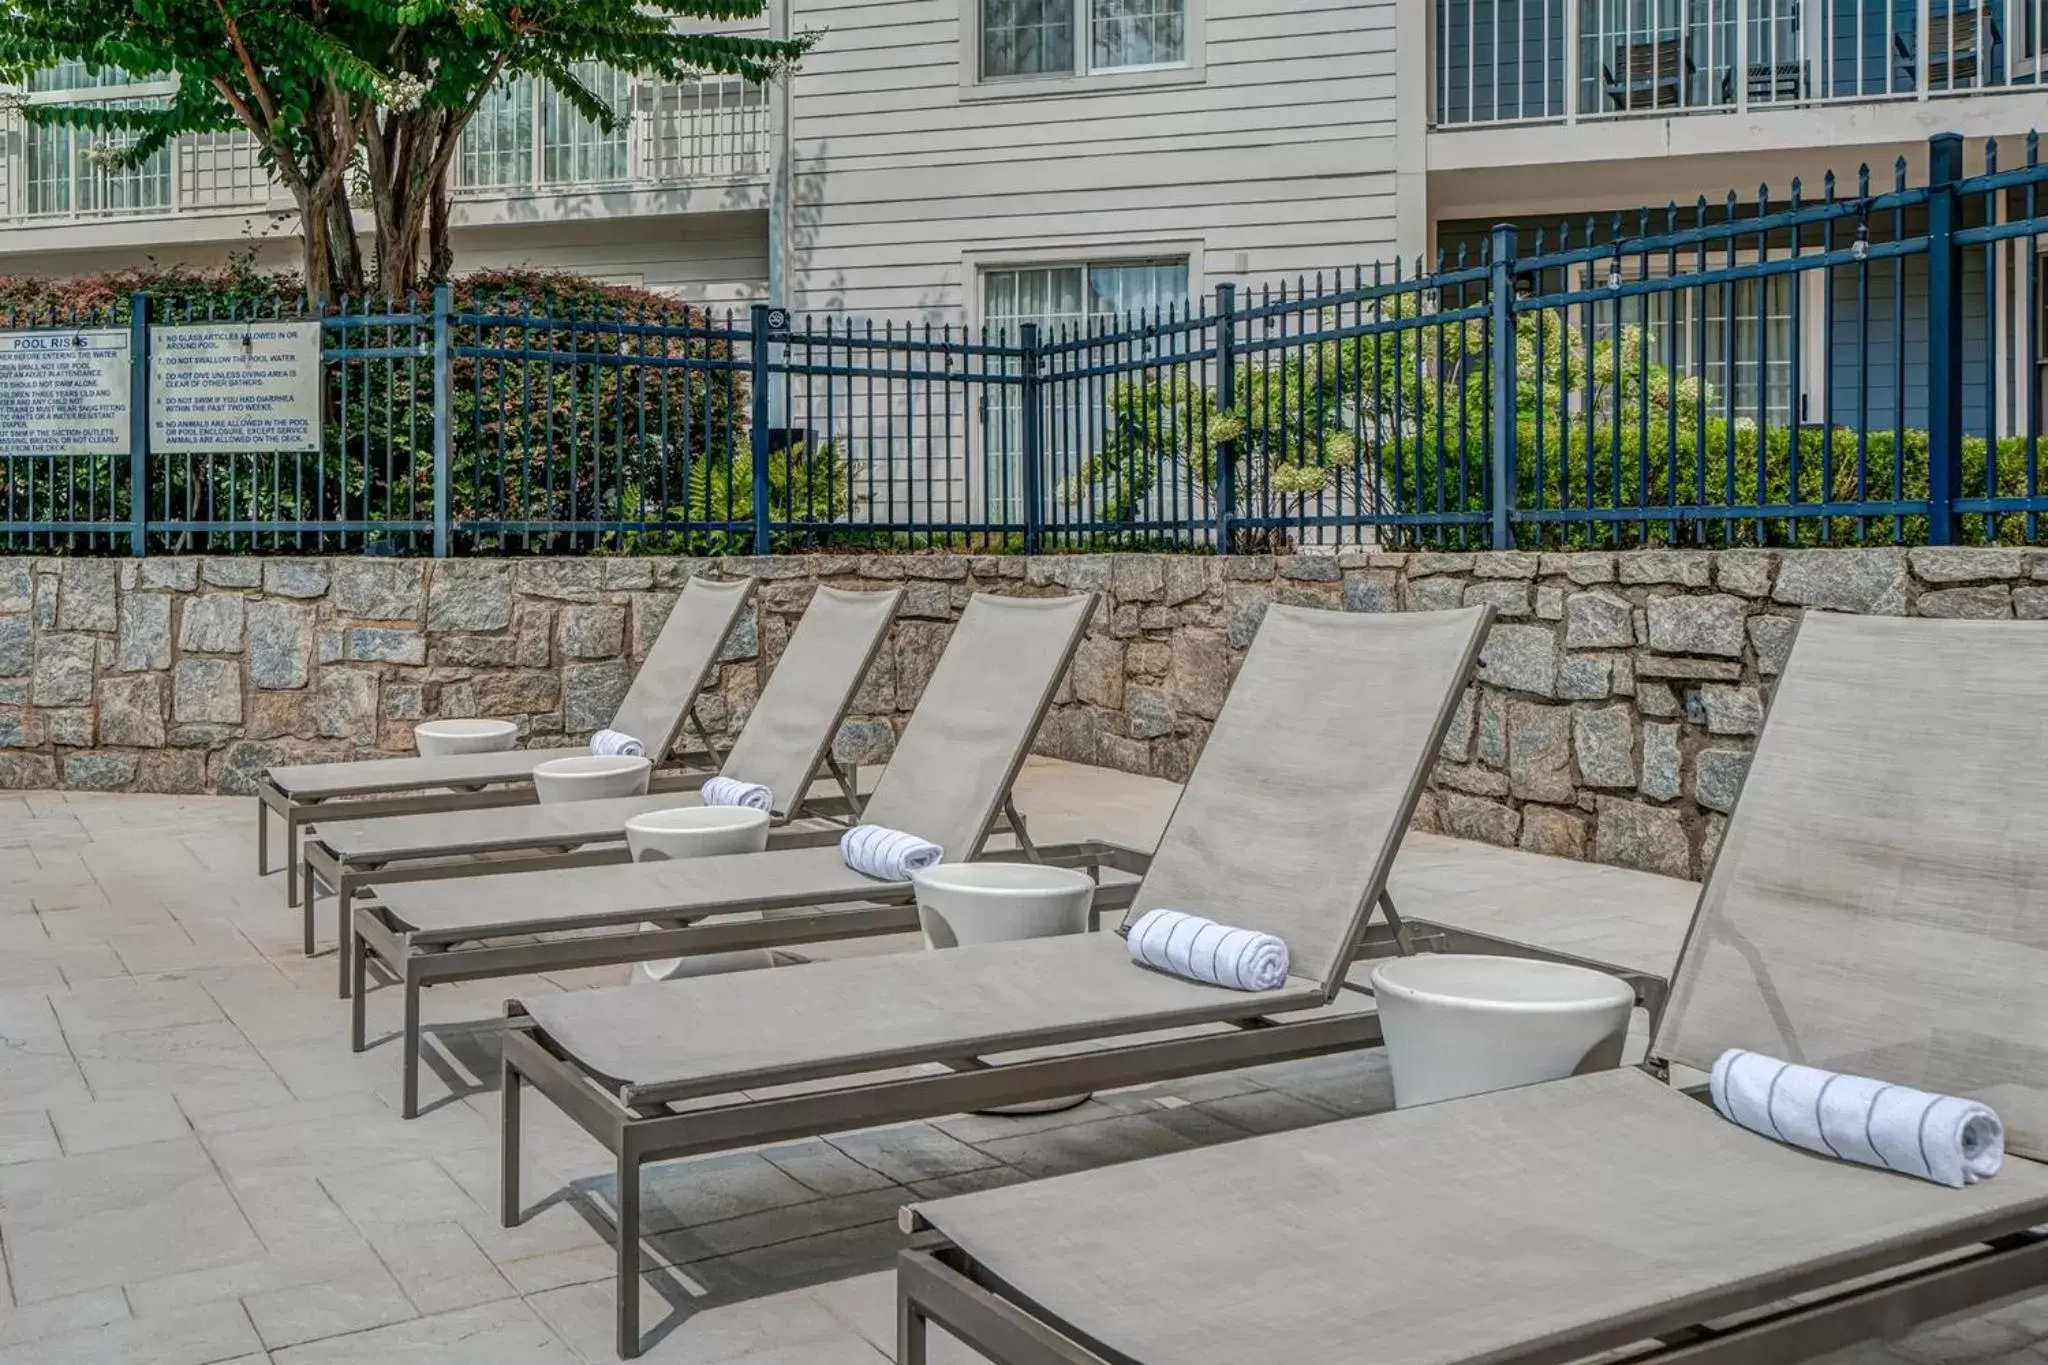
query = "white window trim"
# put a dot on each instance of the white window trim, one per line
(1193, 71)
(978, 262)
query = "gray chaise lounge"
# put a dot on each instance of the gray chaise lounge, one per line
(1880, 907)
(1290, 823)
(654, 711)
(787, 737)
(949, 781)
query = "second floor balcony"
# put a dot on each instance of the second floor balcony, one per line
(1519, 61)
(524, 143)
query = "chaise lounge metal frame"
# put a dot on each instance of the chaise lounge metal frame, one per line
(1876, 908)
(1290, 823)
(655, 709)
(949, 780)
(787, 737)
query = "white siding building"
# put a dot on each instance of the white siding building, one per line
(993, 161)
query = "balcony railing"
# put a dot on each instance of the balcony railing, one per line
(675, 134)
(1509, 61)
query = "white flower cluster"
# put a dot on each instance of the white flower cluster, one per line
(105, 156)
(467, 11)
(404, 93)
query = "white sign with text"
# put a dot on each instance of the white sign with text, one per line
(234, 388)
(64, 393)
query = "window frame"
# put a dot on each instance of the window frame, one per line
(77, 140)
(534, 108)
(1082, 80)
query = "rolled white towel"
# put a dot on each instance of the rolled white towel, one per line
(731, 791)
(890, 854)
(1941, 1138)
(617, 744)
(1203, 950)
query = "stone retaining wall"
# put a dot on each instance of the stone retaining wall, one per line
(1618, 699)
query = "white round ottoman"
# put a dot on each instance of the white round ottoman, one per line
(967, 903)
(446, 738)
(1460, 1023)
(698, 832)
(591, 777)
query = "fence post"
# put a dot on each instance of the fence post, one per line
(1501, 288)
(444, 439)
(1033, 440)
(1226, 403)
(138, 424)
(758, 426)
(1944, 336)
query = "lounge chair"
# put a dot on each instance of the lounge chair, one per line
(654, 711)
(788, 735)
(1877, 908)
(1289, 824)
(948, 781)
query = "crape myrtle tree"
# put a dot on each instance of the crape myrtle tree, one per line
(357, 106)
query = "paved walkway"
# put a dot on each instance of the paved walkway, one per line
(194, 1168)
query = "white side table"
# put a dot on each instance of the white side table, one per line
(1462, 1023)
(698, 832)
(996, 902)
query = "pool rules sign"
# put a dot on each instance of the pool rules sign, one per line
(234, 388)
(64, 393)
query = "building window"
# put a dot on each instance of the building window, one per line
(1021, 38)
(1064, 301)
(68, 169)
(1704, 332)
(525, 133)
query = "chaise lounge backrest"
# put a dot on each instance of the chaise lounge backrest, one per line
(973, 726)
(793, 722)
(681, 658)
(1880, 902)
(1290, 822)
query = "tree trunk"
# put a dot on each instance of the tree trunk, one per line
(440, 254)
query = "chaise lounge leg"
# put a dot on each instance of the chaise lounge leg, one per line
(910, 1327)
(342, 936)
(262, 837)
(411, 1105)
(359, 981)
(304, 877)
(508, 1145)
(629, 1251)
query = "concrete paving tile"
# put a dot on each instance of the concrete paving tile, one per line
(352, 1304)
(323, 1138)
(26, 1135)
(128, 1122)
(504, 1333)
(192, 1336)
(546, 1228)
(174, 1059)
(1087, 1145)
(583, 1265)
(402, 1193)
(824, 1168)
(798, 1221)
(1268, 1111)
(54, 1317)
(979, 1128)
(910, 1152)
(686, 1194)
(272, 1269)
(582, 1315)
(803, 1263)
(439, 1266)
(989, 1178)
(85, 1222)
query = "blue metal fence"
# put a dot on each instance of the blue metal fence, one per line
(1865, 364)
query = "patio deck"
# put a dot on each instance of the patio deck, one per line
(182, 1125)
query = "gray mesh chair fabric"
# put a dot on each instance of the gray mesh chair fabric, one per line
(841, 1018)
(715, 1034)
(797, 716)
(1880, 903)
(946, 782)
(656, 705)
(1290, 822)
(681, 658)
(974, 724)
(1547, 1223)
(784, 740)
